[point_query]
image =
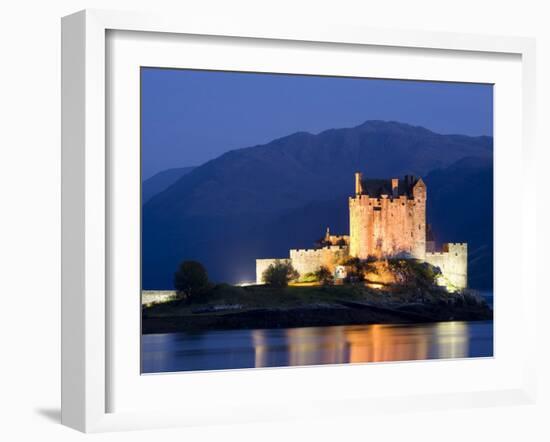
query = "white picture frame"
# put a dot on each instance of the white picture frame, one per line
(87, 356)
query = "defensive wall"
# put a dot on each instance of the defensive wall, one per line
(263, 264)
(307, 260)
(453, 262)
(150, 297)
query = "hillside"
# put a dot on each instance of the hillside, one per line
(161, 181)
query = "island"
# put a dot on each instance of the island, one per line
(386, 271)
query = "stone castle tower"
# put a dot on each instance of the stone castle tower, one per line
(388, 218)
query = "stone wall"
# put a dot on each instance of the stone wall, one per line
(453, 262)
(386, 227)
(263, 264)
(149, 297)
(309, 260)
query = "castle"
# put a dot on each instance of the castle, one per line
(387, 220)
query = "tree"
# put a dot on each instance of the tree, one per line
(413, 272)
(356, 270)
(190, 279)
(324, 276)
(279, 274)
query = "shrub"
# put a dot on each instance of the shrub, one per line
(358, 268)
(309, 277)
(355, 265)
(279, 274)
(324, 276)
(190, 279)
(414, 272)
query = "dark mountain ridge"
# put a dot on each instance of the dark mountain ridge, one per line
(161, 181)
(290, 171)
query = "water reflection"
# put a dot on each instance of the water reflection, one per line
(315, 345)
(374, 343)
(388, 343)
(452, 340)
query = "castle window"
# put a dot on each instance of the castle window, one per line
(378, 209)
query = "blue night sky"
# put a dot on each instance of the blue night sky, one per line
(190, 117)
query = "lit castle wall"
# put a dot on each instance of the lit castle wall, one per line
(453, 263)
(309, 260)
(387, 220)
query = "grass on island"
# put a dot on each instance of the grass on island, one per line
(399, 284)
(224, 297)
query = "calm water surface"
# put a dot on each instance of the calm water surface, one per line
(226, 349)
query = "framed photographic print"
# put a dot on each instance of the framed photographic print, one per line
(251, 213)
(377, 287)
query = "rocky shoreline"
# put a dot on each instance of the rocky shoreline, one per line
(341, 313)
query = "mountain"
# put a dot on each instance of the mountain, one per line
(161, 181)
(260, 201)
(291, 171)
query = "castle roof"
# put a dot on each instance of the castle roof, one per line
(375, 187)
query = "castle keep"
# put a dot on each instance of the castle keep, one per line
(387, 220)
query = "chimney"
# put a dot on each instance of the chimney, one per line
(395, 187)
(358, 183)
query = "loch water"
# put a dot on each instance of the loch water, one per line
(232, 349)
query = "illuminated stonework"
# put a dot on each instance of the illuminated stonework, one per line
(452, 260)
(387, 220)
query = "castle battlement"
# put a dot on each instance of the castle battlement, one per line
(455, 247)
(363, 199)
(304, 251)
(317, 251)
